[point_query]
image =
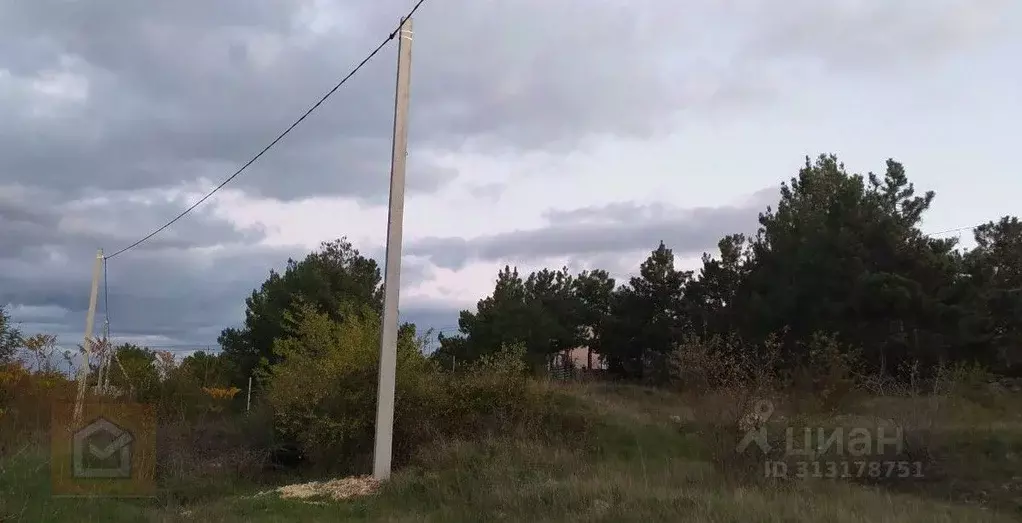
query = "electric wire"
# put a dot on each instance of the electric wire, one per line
(957, 229)
(279, 137)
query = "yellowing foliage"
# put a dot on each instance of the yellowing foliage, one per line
(12, 374)
(220, 393)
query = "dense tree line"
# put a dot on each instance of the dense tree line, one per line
(841, 254)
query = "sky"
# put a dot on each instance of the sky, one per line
(550, 133)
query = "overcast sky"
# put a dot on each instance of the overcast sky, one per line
(543, 133)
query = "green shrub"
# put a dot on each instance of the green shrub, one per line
(323, 392)
(492, 394)
(827, 373)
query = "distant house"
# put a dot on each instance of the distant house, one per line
(580, 358)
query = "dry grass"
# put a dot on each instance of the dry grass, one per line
(633, 462)
(335, 489)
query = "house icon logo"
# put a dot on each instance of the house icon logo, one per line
(113, 453)
(102, 449)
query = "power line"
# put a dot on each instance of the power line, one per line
(279, 137)
(957, 229)
(209, 349)
(180, 346)
(183, 348)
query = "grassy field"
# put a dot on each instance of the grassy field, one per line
(648, 456)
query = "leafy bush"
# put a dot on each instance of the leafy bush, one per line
(827, 372)
(493, 393)
(726, 364)
(26, 399)
(134, 373)
(729, 379)
(323, 391)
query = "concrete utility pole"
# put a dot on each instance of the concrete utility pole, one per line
(90, 320)
(101, 357)
(392, 281)
(104, 382)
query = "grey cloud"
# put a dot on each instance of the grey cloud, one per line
(175, 91)
(857, 36)
(614, 228)
(413, 270)
(441, 318)
(34, 222)
(438, 316)
(619, 266)
(487, 191)
(168, 295)
(183, 286)
(176, 298)
(176, 285)
(161, 93)
(614, 212)
(39, 313)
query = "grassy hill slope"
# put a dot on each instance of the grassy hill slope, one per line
(645, 456)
